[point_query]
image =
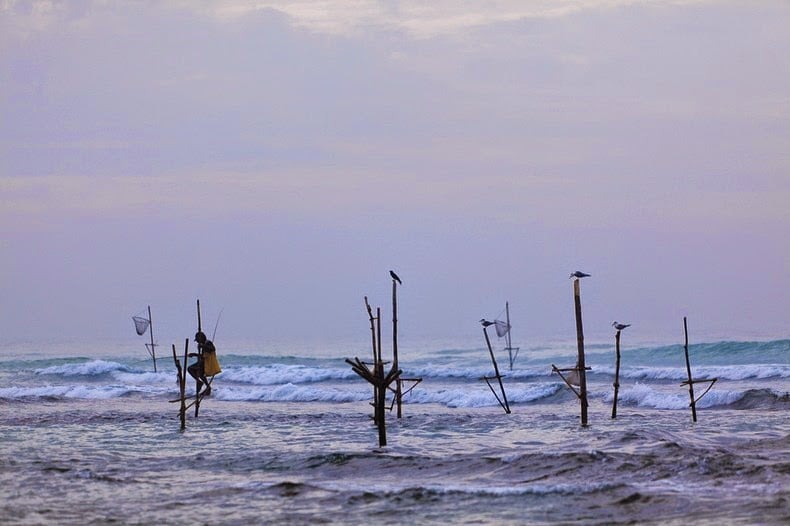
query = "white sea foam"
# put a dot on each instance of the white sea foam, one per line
(724, 372)
(158, 378)
(90, 368)
(292, 393)
(275, 374)
(643, 395)
(104, 392)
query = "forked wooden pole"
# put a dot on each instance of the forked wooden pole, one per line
(381, 381)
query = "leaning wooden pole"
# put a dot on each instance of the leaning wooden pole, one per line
(580, 344)
(398, 384)
(151, 333)
(503, 402)
(688, 370)
(616, 373)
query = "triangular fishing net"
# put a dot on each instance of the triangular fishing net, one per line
(141, 324)
(502, 327)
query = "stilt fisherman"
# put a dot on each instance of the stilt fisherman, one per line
(206, 364)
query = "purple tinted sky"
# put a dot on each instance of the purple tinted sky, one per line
(277, 159)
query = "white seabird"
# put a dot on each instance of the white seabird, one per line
(620, 326)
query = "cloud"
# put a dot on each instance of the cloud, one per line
(335, 17)
(310, 139)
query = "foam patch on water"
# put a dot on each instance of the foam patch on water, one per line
(64, 391)
(291, 393)
(91, 368)
(275, 374)
(643, 395)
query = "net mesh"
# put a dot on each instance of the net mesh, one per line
(502, 327)
(141, 324)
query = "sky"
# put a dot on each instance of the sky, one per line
(276, 159)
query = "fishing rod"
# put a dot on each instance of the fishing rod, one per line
(214, 334)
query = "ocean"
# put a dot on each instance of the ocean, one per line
(89, 436)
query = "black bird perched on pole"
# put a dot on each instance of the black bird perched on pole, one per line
(486, 323)
(578, 274)
(395, 277)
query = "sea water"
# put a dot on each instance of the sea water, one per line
(90, 436)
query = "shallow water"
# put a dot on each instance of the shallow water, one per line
(93, 440)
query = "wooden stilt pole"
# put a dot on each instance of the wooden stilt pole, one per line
(375, 356)
(398, 384)
(378, 334)
(508, 340)
(377, 406)
(151, 332)
(199, 350)
(502, 402)
(382, 381)
(688, 370)
(380, 403)
(580, 344)
(180, 372)
(616, 373)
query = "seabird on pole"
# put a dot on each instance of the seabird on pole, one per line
(486, 323)
(578, 274)
(395, 277)
(620, 326)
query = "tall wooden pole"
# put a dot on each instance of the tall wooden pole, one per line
(372, 329)
(580, 344)
(199, 350)
(616, 373)
(375, 357)
(151, 332)
(507, 335)
(398, 383)
(378, 334)
(380, 392)
(688, 370)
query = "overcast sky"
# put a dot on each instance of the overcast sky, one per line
(276, 159)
